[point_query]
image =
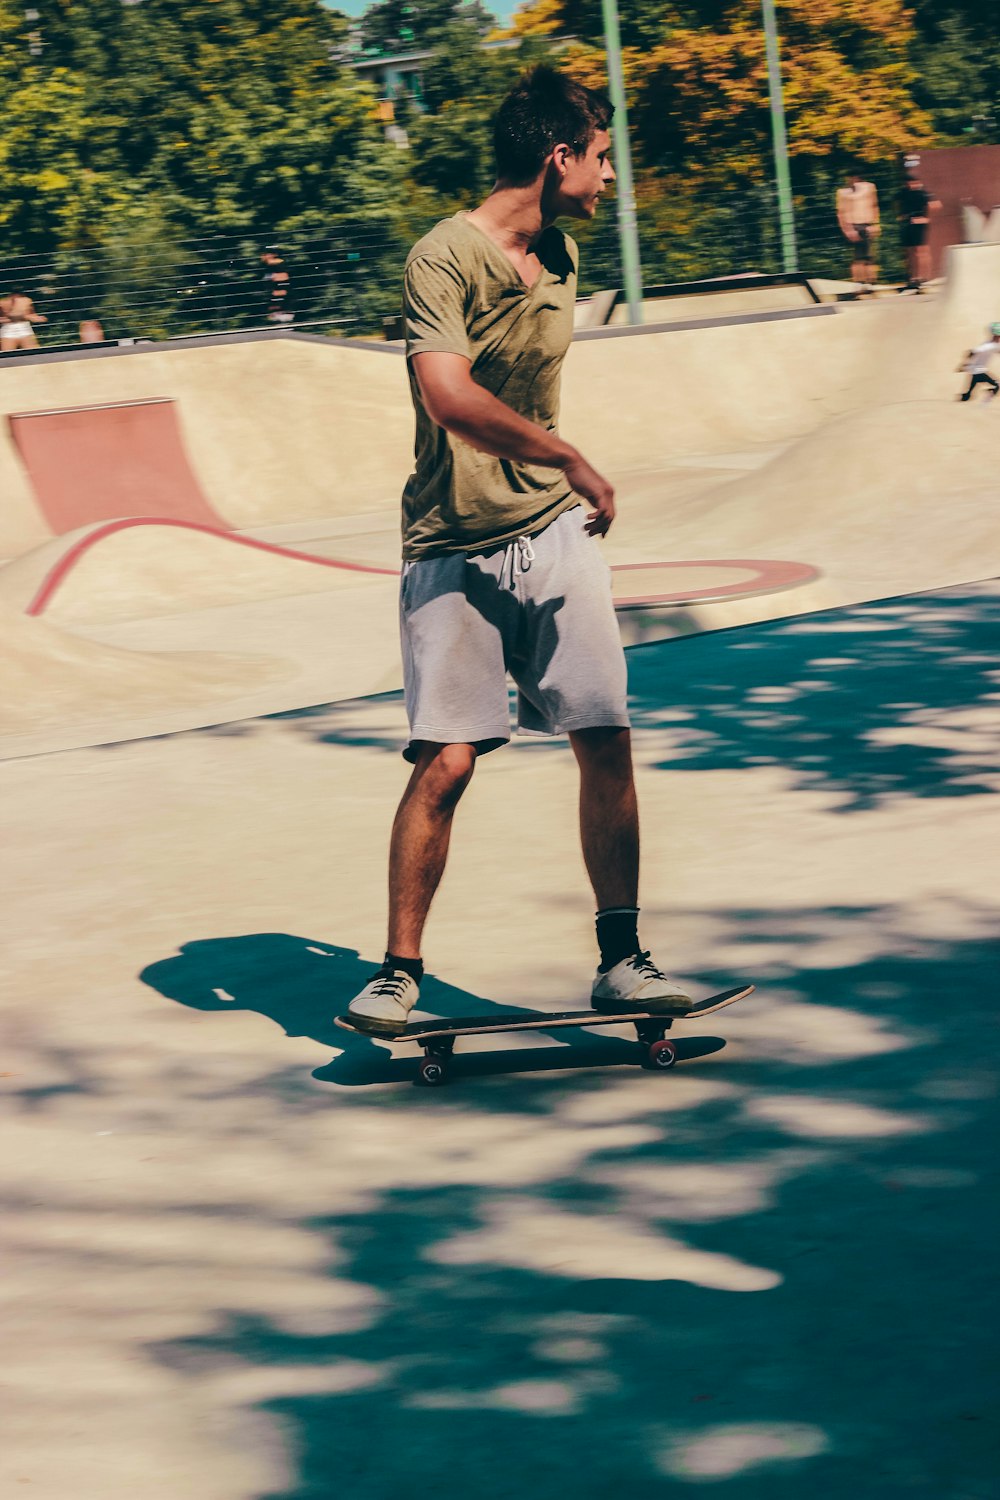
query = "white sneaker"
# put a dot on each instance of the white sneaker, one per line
(386, 1001)
(637, 984)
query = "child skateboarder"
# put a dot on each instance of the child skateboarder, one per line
(976, 365)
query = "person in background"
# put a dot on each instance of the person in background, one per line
(915, 208)
(976, 365)
(17, 320)
(278, 280)
(91, 331)
(860, 224)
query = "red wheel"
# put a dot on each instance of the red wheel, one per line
(433, 1071)
(662, 1054)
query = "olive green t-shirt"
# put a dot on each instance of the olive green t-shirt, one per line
(461, 295)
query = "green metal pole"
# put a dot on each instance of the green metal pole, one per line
(781, 172)
(627, 224)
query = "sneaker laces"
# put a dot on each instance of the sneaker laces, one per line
(390, 983)
(643, 964)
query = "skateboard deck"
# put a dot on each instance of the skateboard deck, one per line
(437, 1037)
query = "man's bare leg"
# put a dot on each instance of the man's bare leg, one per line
(418, 853)
(609, 832)
(609, 814)
(421, 835)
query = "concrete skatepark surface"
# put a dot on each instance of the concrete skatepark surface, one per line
(827, 442)
(248, 1260)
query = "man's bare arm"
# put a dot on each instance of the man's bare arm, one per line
(454, 401)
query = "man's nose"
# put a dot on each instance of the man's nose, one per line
(609, 172)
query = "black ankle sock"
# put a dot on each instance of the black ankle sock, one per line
(617, 934)
(412, 966)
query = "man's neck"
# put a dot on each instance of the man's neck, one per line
(513, 218)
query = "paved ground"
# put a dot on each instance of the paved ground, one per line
(250, 1260)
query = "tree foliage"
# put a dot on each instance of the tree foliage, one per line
(134, 134)
(394, 26)
(131, 136)
(697, 81)
(957, 64)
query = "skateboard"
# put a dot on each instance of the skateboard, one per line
(437, 1038)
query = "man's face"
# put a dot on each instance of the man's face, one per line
(585, 177)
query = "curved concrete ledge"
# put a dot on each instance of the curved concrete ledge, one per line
(58, 574)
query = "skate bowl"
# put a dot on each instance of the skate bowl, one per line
(763, 468)
(148, 595)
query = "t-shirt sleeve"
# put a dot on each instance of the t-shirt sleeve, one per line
(434, 308)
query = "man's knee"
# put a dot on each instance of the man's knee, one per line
(444, 771)
(606, 750)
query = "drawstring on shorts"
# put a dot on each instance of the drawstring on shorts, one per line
(518, 556)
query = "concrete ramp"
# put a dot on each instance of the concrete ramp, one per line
(884, 501)
(58, 690)
(277, 430)
(95, 463)
(141, 567)
(972, 290)
(152, 627)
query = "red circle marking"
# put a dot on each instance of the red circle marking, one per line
(769, 576)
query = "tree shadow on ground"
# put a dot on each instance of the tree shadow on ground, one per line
(876, 701)
(883, 700)
(770, 1274)
(769, 1271)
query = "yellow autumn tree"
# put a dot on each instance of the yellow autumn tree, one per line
(698, 87)
(701, 95)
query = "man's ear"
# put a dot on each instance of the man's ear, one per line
(560, 157)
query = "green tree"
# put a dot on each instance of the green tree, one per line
(957, 66)
(394, 26)
(131, 137)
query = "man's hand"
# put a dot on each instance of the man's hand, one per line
(589, 485)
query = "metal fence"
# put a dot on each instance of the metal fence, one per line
(210, 285)
(348, 282)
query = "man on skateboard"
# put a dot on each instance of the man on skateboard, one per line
(502, 571)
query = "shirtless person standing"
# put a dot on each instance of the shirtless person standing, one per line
(858, 217)
(17, 316)
(502, 567)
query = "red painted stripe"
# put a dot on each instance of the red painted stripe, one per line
(771, 575)
(68, 561)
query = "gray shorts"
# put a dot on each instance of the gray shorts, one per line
(539, 608)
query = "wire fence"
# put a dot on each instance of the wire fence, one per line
(214, 284)
(348, 281)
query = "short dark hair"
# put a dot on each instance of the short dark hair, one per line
(543, 109)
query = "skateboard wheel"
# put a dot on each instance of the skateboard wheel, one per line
(433, 1071)
(662, 1054)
